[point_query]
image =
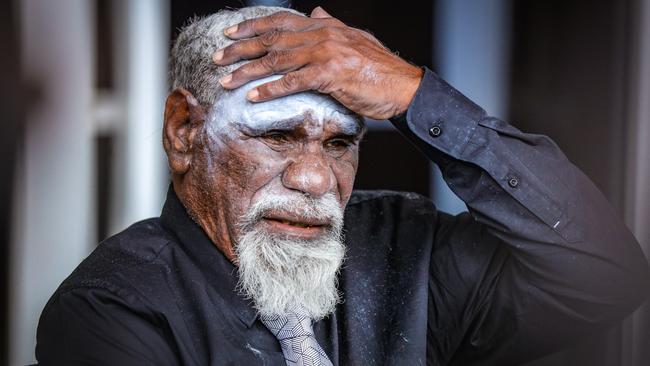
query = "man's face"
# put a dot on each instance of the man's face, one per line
(271, 184)
(297, 146)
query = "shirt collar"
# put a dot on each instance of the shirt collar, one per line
(217, 269)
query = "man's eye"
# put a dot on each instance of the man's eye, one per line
(337, 146)
(275, 137)
(338, 143)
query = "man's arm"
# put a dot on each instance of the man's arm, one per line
(94, 326)
(569, 266)
(542, 258)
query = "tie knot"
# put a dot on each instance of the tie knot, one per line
(294, 323)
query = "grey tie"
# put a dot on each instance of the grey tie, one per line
(296, 336)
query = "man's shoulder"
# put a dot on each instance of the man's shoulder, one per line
(390, 198)
(141, 242)
(388, 229)
(124, 259)
(371, 209)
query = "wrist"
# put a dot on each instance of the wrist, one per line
(408, 90)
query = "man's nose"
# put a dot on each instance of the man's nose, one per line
(310, 174)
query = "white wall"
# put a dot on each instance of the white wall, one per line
(53, 217)
(54, 213)
(141, 52)
(473, 48)
(637, 200)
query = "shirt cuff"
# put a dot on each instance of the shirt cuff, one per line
(441, 115)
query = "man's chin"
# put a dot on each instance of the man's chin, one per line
(280, 266)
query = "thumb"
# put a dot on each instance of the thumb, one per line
(319, 12)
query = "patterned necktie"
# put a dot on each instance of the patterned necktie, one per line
(296, 336)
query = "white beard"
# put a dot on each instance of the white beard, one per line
(280, 272)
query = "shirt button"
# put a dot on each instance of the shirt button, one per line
(513, 182)
(435, 131)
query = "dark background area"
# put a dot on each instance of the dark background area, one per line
(10, 105)
(568, 81)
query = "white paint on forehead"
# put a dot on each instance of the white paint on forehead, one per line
(233, 110)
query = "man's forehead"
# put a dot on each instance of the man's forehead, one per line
(283, 113)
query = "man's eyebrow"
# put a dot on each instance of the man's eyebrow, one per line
(352, 126)
(287, 124)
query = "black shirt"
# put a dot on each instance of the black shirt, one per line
(540, 261)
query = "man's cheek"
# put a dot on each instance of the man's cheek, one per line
(346, 167)
(232, 157)
(345, 172)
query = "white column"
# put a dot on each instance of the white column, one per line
(53, 217)
(638, 169)
(142, 44)
(637, 189)
(472, 46)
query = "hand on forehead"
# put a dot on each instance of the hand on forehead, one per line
(322, 54)
(234, 109)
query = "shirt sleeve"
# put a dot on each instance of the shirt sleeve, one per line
(94, 326)
(540, 260)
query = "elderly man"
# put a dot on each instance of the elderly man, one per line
(264, 255)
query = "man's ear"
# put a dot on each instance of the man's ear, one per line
(183, 117)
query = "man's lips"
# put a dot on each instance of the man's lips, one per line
(295, 225)
(296, 220)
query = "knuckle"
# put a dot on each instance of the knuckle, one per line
(364, 35)
(232, 49)
(322, 85)
(333, 22)
(328, 32)
(271, 60)
(332, 66)
(328, 46)
(334, 33)
(268, 39)
(277, 19)
(290, 81)
(242, 74)
(246, 25)
(239, 74)
(283, 15)
(321, 81)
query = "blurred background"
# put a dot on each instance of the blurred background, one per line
(84, 82)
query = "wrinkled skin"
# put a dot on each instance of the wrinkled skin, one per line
(220, 167)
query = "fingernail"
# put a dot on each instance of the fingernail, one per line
(225, 80)
(218, 56)
(231, 30)
(253, 94)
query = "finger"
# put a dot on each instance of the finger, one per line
(275, 62)
(282, 21)
(293, 82)
(319, 12)
(259, 46)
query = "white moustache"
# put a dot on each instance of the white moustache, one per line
(324, 210)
